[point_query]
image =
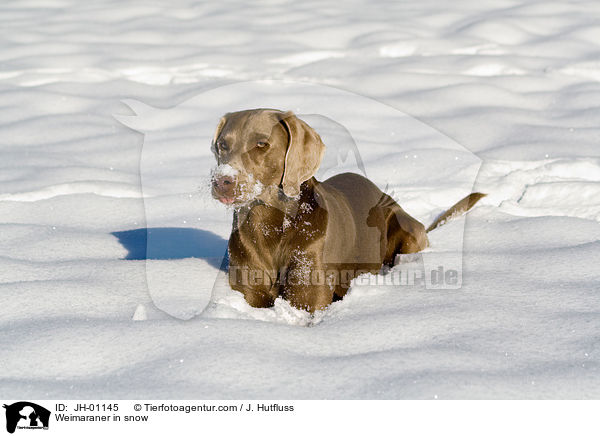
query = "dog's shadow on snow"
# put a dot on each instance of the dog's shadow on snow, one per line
(174, 243)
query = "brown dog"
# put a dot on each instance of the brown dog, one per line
(296, 237)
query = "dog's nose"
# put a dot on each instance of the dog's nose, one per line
(223, 189)
(223, 182)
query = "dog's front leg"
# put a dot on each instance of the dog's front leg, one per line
(307, 285)
(259, 286)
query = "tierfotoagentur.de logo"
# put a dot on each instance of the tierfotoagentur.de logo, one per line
(401, 142)
(24, 415)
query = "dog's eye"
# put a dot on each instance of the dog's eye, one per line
(262, 144)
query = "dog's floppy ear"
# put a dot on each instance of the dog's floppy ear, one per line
(304, 154)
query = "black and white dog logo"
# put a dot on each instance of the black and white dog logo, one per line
(26, 415)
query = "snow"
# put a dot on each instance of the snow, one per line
(503, 90)
(225, 170)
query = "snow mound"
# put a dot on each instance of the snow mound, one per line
(86, 271)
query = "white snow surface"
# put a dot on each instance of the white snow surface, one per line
(514, 82)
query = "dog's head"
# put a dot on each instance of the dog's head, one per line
(263, 152)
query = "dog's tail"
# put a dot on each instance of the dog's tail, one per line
(458, 209)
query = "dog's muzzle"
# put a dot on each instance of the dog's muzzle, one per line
(223, 188)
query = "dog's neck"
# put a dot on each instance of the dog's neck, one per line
(274, 197)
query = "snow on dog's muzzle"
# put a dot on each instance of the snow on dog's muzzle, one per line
(224, 183)
(231, 186)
